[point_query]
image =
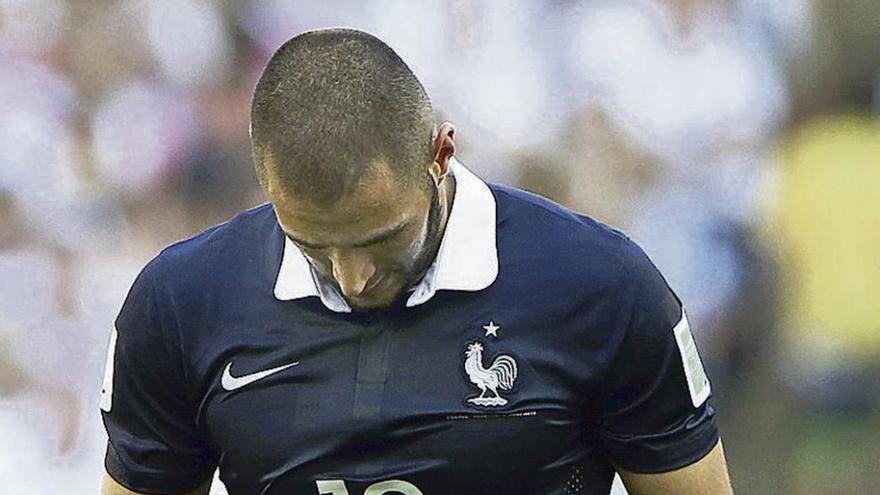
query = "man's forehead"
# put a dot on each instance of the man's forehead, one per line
(375, 177)
(368, 201)
(355, 219)
(375, 204)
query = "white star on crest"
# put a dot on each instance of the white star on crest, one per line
(491, 329)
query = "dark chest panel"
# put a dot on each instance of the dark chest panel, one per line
(466, 399)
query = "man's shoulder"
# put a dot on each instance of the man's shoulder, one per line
(243, 228)
(548, 243)
(237, 244)
(529, 221)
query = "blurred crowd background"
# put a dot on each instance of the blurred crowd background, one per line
(737, 141)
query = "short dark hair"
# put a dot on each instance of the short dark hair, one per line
(328, 104)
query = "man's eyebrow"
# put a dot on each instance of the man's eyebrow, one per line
(374, 239)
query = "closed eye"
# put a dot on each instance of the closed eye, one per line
(385, 236)
(376, 239)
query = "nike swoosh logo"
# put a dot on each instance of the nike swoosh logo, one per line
(231, 383)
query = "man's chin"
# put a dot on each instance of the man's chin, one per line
(374, 303)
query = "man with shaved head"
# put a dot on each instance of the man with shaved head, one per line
(391, 324)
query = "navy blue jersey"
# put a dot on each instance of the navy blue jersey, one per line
(569, 356)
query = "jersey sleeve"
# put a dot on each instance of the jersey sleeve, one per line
(153, 442)
(655, 410)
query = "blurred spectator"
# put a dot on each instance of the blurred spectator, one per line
(139, 133)
(189, 40)
(680, 99)
(827, 228)
(32, 27)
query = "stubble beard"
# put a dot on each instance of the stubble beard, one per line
(433, 238)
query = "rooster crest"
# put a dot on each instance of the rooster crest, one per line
(500, 375)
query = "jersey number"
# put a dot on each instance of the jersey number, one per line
(337, 487)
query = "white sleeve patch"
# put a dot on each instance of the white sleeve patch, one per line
(698, 383)
(107, 387)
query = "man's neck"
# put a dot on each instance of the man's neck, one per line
(447, 198)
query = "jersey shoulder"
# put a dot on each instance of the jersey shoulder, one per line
(530, 210)
(545, 231)
(247, 245)
(565, 249)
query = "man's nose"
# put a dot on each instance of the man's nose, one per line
(352, 271)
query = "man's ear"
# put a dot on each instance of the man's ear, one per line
(444, 149)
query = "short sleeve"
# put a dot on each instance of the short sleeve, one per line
(153, 443)
(655, 410)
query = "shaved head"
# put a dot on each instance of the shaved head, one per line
(331, 105)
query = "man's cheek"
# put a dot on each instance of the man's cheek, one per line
(408, 260)
(415, 248)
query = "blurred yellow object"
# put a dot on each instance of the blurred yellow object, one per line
(827, 224)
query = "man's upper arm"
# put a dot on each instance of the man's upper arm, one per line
(111, 487)
(655, 415)
(155, 445)
(708, 476)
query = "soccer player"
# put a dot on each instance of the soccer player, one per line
(391, 324)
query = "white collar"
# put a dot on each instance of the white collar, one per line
(467, 259)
